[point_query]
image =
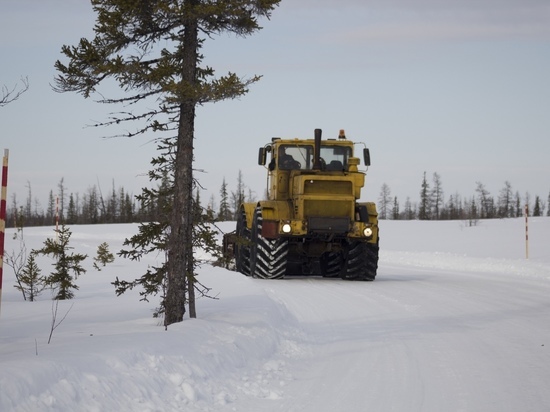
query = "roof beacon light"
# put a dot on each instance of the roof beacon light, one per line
(342, 134)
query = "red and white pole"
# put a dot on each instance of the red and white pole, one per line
(526, 231)
(3, 214)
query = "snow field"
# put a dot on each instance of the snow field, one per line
(457, 320)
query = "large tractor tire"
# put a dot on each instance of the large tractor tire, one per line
(242, 247)
(331, 264)
(268, 257)
(361, 261)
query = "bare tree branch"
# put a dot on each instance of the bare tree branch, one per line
(12, 95)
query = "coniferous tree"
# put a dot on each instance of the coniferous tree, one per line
(129, 209)
(436, 196)
(225, 213)
(50, 214)
(211, 207)
(153, 236)
(20, 220)
(28, 206)
(395, 209)
(67, 265)
(452, 208)
(505, 201)
(72, 214)
(519, 210)
(94, 203)
(485, 201)
(424, 208)
(409, 211)
(472, 213)
(30, 282)
(152, 49)
(103, 256)
(458, 210)
(237, 197)
(112, 206)
(61, 196)
(537, 207)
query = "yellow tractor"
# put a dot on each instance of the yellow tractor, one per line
(312, 223)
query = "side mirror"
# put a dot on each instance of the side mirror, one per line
(262, 156)
(366, 157)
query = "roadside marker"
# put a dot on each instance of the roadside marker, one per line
(3, 215)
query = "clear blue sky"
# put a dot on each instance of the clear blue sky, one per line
(461, 88)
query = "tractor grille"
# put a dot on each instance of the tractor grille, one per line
(333, 187)
(332, 225)
(328, 207)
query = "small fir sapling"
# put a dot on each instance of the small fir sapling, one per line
(103, 256)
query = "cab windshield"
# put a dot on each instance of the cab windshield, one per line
(292, 157)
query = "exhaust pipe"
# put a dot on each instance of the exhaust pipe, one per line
(317, 150)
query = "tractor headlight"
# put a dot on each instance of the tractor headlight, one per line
(286, 228)
(367, 232)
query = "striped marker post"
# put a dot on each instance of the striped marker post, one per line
(3, 215)
(526, 231)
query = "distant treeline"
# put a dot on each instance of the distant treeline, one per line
(120, 206)
(481, 205)
(91, 207)
(116, 206)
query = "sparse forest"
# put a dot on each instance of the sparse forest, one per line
(432, 204)
(117, 205)
(121, 206)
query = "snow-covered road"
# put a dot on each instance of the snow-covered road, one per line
(422, 340)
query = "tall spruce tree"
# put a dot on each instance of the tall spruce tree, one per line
(152, 49)
(154, 236)
(537, 208)
(436, 196)
(225, 213)
(395, 209)
(424, 208)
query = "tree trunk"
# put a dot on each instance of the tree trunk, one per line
(191, 287)
(181, 225)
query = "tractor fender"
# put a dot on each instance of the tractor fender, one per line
(248, 209)
(272, 212)
(370, 208)
(276, 209)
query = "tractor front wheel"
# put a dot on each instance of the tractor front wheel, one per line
(268, 257)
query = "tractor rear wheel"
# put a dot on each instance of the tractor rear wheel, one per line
(361, 261)
(331, 264)
(242, 246)
(268, 257)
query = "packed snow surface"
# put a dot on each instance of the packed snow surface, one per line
(457, 320)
